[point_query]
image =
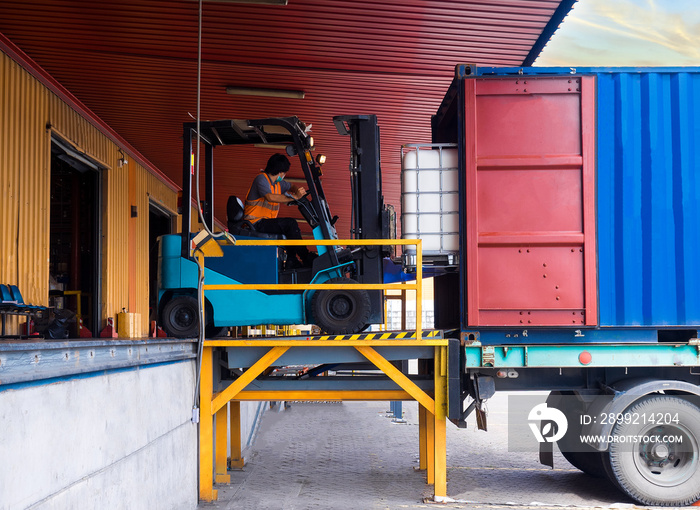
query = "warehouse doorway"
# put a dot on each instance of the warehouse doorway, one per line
(75, 234)
(160, 222)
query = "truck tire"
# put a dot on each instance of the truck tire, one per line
(341, 311)
(582, 456)
(180, 317)
(660, 473)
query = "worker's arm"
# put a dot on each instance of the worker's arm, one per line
(295, 192)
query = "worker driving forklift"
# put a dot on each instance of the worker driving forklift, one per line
(262, 204)
(335, 311)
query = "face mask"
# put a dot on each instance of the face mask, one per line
(279, 179)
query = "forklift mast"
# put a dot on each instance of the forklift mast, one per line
(371, 219)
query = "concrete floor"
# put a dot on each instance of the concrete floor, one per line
(351, 455)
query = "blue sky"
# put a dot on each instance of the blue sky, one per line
(627, 33)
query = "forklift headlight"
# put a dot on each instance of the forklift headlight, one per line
(320, 159)
(311, 142)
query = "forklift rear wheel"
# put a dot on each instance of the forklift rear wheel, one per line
(341, 311)
(181, 317)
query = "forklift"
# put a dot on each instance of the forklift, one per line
(334, 311)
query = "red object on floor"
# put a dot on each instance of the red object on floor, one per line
(156, 331)
(83, 332)
(27, 328)
(109, 331)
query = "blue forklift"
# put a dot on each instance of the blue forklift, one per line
(335, 311)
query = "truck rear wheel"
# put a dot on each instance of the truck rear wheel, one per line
(341, 311)
(582, 456)
(662, 468)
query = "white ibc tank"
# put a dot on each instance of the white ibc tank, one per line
(430, 197)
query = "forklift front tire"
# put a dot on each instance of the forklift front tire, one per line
(341, 311)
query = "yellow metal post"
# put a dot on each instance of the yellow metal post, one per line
(430, 447)
(419, 289)
(440, 443)
(206, 429)
(237, 460)
(221, 470)
(403, 310)
(422, 437)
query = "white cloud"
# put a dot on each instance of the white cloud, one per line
(627, 32)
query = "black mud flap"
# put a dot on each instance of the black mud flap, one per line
(455, 364)
(547, 454)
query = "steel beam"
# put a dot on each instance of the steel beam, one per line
(430, 447)
(583, 355)
(27, 361)
(206, 428)
(331, 383)
(319, 353)
(422, 438)
(398, 377)
(367, 395)
(440, 442)
(237, 460)
(229, 393)
(221, 468)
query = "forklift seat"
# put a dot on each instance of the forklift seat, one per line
(237, 225)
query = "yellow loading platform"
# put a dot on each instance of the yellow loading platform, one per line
(431, 394)
(432, 410)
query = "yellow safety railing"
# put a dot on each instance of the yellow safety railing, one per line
(418, 286)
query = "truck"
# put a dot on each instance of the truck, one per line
(576, 263)
(558, 210)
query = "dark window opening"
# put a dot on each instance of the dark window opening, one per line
(160, 222)
(74, 256)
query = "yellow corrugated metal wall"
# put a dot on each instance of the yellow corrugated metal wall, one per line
(24, 183)
(29, 112)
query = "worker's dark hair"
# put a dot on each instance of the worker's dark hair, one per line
(277, 163)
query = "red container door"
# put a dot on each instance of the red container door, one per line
(530, 204)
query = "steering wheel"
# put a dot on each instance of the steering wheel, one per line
(297, 201)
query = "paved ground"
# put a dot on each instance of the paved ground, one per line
(351, 455)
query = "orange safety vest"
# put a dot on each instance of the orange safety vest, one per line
(258, 209)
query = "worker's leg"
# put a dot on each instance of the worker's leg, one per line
(289, 228)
